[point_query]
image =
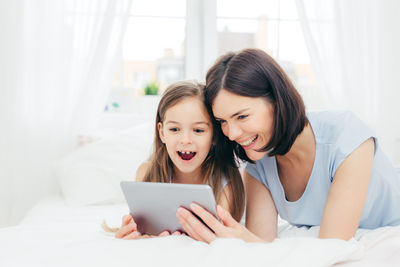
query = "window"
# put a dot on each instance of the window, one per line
(152, 51)
(167, 41)
(271, 25)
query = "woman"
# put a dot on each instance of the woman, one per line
(321, 168)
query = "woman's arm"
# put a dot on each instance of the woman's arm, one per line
(345, 203)
(261, 214)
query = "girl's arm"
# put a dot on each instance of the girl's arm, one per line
(261, 214)
(345, 203)
(141, 171)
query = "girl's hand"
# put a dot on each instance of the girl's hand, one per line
(229, 228)
(128, 230)
(165, 233)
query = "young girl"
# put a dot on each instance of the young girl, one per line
(189, 149)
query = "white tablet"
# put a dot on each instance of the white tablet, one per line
(153, 205)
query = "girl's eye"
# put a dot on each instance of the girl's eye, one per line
(173, 129)
(198, 130)
(221, 121)
(241, 117)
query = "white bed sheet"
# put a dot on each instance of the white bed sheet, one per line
(55, 234)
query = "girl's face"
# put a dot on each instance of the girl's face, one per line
(187, 133)
(246, 120)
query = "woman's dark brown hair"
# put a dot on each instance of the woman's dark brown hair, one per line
(253, 73)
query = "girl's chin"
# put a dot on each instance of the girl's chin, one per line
(187, 166)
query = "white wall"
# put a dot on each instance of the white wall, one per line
(10, 18)
(388, 128)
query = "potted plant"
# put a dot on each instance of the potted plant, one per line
(149, 102)
(151, 88)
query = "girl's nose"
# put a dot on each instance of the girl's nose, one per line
(186, 138)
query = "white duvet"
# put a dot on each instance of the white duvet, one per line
(54, 234)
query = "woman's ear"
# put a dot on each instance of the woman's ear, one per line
(161, 132)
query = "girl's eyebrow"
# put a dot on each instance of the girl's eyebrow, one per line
(172, 122)
(199, 122)
(235, 114)
(202, 122)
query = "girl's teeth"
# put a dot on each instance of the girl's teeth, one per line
(185, 155)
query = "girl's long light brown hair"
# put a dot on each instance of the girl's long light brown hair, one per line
(220, 162)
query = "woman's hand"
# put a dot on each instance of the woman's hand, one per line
(229, 228)
(128, 230)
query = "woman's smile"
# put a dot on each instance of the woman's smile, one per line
(249, 143)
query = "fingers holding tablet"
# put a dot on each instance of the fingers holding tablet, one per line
(228, 228)
(194, 227)
(213, 223)
(128, 227)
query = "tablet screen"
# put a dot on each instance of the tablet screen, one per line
(153, 205)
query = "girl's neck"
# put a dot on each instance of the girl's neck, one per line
(194, 177)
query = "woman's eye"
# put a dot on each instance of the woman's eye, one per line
(173, 129)
(241, 117)
(221, 121)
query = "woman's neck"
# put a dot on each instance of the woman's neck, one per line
(303, 148)
(194, 177)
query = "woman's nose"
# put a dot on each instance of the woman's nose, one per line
(233, 132)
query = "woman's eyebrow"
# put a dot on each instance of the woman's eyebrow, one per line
(235, 114)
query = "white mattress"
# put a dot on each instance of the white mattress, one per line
(55, 234)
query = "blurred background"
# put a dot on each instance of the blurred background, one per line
(74, 72)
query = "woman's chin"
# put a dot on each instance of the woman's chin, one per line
(254, 155)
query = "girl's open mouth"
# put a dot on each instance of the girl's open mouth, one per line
(186, 155)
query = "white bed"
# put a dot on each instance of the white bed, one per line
(64, 229)
(57, 234)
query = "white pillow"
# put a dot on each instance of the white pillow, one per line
(91, 174)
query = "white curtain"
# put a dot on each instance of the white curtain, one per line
(342, 37)
(348, 45)
(62, 62)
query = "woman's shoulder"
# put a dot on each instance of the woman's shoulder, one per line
(330, 118)
(260, 168)
(333, 125)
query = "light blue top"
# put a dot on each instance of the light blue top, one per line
(337, 134)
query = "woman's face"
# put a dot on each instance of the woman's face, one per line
(246, 120)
